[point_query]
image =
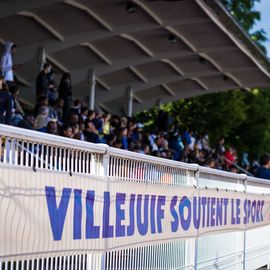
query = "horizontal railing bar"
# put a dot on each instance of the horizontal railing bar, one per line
(151, 159)
(222, 173)
(57, 141)
(260, 181)
(44, 138)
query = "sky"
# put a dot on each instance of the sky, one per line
(264, 8)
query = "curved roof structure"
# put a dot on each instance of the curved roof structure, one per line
(163, 50)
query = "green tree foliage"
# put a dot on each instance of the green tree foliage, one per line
(241, 117)
(246, 15)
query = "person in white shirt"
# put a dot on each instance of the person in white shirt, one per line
(7, 66)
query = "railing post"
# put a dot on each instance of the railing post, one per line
(196, 183)
(105, 174)
(92, 83)
(245, 231)
(106, 161)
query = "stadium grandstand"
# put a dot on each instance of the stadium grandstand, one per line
(82, 70)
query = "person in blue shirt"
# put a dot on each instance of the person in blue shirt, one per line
(264, 169)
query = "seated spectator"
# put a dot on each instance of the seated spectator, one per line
(52, 127)
(264, 169)
(98, 121)
(28, 122)
(17, 113)
(90, 133)
(66, 131)
(124, 138)
(76, 108)
(211, 163)
(176, 146)
(91, 115)
(42, 117)
(110, 139)
(146, 149)
(106, 124)
(5, 103)
(233, 169)
(73, 118)
(77, 133)
(58, 108)
(42, 82)
(84, 113)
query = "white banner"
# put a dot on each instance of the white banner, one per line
(50, 213)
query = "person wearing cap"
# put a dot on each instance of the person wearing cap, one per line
(5, 103)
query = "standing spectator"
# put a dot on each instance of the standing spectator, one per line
(124, 138)
(53, 94)
(229, 157)
(264, 169)
(7, 66)
(5, 103)
(17, 111)
(220, 149)
(205, 143)
(42, 82)
(191, 145)
(65, 92)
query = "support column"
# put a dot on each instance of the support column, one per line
(92, 83)
(159, 103)
(130, 101)
(41, 57)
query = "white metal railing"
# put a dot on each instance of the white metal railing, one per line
(238, 250)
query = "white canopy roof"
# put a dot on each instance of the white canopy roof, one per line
(163, 50)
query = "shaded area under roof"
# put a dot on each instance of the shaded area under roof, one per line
(165, 50)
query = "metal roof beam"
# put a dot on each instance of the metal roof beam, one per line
(94, 15)
(102, 56)
(138, 74)
(43, 23)
(9, 8)
(168, 90)
(57, 64)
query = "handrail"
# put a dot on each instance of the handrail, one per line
(40, 137)
(57, 141)
(151, 159)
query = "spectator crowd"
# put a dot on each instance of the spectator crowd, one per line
(57, 112)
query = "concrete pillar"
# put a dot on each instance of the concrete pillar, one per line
(130, 101)
(92, 83)
(41, 57)
(159, 103)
